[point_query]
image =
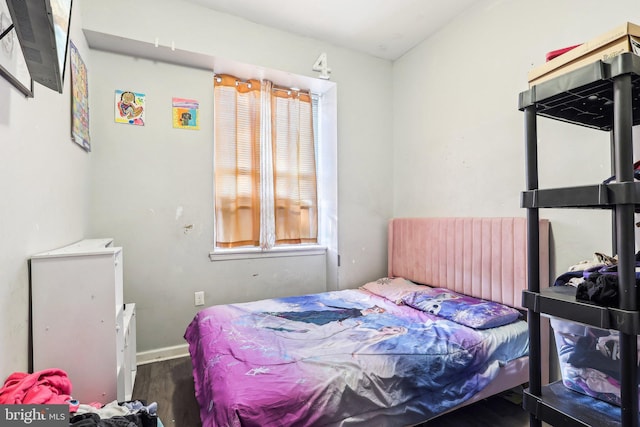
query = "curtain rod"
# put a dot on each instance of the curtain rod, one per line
(239, 81)
(306, 92)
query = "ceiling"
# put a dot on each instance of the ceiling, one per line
(383, 28)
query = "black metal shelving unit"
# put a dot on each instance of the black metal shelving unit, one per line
(604, 95)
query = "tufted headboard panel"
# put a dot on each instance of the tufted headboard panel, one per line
(482, 257)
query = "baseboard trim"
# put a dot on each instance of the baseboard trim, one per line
(165, 353)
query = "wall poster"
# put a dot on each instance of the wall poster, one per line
(79, 99)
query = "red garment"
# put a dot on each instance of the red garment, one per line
(558, 52)
(46, 386)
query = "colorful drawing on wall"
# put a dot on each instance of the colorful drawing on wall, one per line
(79, 99)
(185, 114)
(129, 107)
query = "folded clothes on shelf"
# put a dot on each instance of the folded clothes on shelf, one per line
(636, 174)
(600, 289)
(596, 280)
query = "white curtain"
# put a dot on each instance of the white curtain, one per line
(267, 218)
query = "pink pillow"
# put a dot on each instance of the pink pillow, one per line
(393, 289)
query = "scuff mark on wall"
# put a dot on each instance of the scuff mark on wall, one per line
(188, 228)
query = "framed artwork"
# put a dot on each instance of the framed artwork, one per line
(13, 66)
(185, 113)
(129, 107)
(79, 99)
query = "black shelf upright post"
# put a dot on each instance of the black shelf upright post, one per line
(533, 256)
(624, 215)
(612, 150)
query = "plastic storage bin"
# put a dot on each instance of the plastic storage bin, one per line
(589, 359)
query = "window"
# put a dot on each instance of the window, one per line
(265, 178)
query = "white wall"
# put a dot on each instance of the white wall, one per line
(44, 187)
(459, 137)
(149, 182)
(454, 134)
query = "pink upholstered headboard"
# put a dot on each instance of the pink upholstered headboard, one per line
(482, 257)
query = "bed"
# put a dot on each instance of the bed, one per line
(393, 352)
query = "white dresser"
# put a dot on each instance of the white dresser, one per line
(79, 321)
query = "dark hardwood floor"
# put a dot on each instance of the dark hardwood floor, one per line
(170, 384)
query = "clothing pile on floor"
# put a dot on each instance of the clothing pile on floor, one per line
(114, 414)
(52, 386)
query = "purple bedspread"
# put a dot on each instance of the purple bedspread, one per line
(338, 359)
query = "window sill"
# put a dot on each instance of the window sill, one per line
(277, 252)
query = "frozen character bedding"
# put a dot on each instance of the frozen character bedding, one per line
(342, 358)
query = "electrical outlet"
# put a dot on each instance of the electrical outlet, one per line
(199, 298)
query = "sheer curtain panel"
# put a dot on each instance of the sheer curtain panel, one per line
(237, 161)
(265, 165)
(296, 210)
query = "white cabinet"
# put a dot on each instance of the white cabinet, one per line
(129, 367)
(79, 321)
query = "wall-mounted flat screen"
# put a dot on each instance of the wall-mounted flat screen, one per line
(42, 26)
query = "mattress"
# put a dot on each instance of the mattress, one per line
(342, 358)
